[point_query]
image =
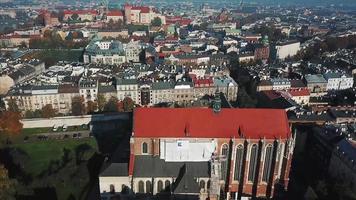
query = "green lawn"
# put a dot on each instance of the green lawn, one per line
(31, 131)
(43, 161)
(42, 152)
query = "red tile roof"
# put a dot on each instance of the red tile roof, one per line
(204, 123)
(115, 13)
(143, 9)
(177, 19)
(299, 92)
(79, 12)
(203, 82)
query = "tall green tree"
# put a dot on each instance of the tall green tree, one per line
(111, 105)
(128, 104)
(156, 22)
(78, 106)
(101, 102)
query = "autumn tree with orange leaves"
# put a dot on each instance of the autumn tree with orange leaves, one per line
(92, 106)
(10, 122)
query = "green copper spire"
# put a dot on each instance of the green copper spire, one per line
(265, 40)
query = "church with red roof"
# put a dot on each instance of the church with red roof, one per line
(206, 153)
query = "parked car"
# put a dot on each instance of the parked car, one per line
(85, 126)
(65, 127)
(55, 128)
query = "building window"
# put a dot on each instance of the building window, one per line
(202, 185)
(238, 162)
(112, 188)
(144, 148)
(267, 163)
(253, 163)
(279, 152)
(167, 185)
(148, 187)
(141, 187)
(159, 186)
(224, 152)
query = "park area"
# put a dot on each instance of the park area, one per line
(50, 169)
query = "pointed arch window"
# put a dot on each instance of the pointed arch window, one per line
(253, 163)
(112, 188)
(148, 187)
(267, 163)
(202, 184)
(159, 186)
(144, 148)
(167, 185)
(238, 162)
(224, 153)
(141, 187)
(224, 150)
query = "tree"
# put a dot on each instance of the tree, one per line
(111, 106)
(101, 101)
(23, 45)
(78, 107)
(47, 33)
(156, 22)
(10, 122)
(48, 111)
(7, 186)
(33, 114)
(128, 104)
(12, 106)
(110, 24)
(81, 151)
(91, 106)
(75, 16)
(75, 34)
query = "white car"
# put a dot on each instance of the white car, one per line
(65, 127)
